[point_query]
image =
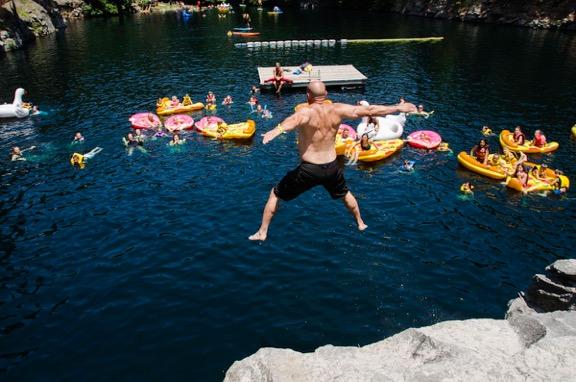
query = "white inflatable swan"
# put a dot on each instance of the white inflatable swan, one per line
(15, 109)
(389, 127)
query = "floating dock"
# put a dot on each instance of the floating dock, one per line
(331, 75)
(332, 42)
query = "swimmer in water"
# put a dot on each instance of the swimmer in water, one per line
(317, 126)
(408, 165)
(227, 100)
(467, 188)
(18, 154)
(78, 138)
(486, 131)
(175, 141)
(140, 137)
(80, 159)
(266, 113)
(159, 132)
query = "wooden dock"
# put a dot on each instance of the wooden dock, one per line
(331, 75)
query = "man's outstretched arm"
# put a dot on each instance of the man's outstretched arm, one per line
(354, 112)
(297, 119)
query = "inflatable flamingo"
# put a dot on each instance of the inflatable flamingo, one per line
(15, 110)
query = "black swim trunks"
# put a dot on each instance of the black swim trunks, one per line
(309, 175)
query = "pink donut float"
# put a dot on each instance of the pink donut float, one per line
(145, 121)
(424, 139)
(179, 122)
(351, 132)
(207, 121)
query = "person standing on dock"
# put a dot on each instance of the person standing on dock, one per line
(317, 126)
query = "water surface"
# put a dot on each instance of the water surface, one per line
(138, 266)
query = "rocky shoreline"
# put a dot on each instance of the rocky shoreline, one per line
(22, 21)
(535, 342)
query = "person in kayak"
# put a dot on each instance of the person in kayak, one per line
(539, 139)
(481, 152)
(317, 126)
(518, 136)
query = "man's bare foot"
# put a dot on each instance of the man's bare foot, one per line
(362, 227)
(257, 236)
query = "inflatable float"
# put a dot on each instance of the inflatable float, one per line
(574, 130)
(206, 122)
(16, 109)
(306, 104)
(380, 150)
(389, 127)
(145, 121)
(179, 122)
(470, 163)
(551, 181)
(221, 130)
(507, 140)
(165, 108)
(424, 139)
(246, 34)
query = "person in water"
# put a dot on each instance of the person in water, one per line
(486, 131)
(539, 139)
(481, 152)
(175, 141)
(253, 101)
(130, 141)
(210, 99)
(254, 90)
(246, 19)
(159, 132)
(78, 137)
(317, 126)
(80, 159)
(408, 165)
(18, 154)
(266, 113)
(140, 138)
(227, 100)
(259, 109)
(467, 188)
(518, 136)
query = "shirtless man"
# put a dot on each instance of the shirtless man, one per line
(317, 127)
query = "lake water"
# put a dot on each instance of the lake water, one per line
(138, 267)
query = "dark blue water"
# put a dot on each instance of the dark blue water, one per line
(138, 266)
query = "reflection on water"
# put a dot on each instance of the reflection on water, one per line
(139, 265)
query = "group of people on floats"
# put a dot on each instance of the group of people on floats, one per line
(514, 164)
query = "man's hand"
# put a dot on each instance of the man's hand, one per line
(407, 107)
(270, 135)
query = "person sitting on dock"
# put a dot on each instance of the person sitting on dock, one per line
(278, 78)
(210, 99)
(519, 136)
(227, 100)
(481, 152)
(539, 139)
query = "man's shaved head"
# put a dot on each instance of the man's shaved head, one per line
(316, 91)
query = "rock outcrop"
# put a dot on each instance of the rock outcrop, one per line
(531, 344)
(528, 13)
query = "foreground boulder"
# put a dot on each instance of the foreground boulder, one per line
(528, 345)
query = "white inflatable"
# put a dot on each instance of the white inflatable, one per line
(389, 127)
(15, 109)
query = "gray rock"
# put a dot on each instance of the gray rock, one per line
(565, 269)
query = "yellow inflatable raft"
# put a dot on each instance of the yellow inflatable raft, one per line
(165, 108)
(243, 130)
(550, 181)
(507, 140)
(469, 162)
(574, 130)
(380, 150)
(305, 104)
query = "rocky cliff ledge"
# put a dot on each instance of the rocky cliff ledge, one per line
(536, 342)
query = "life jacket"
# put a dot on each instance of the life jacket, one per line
(540, 140)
